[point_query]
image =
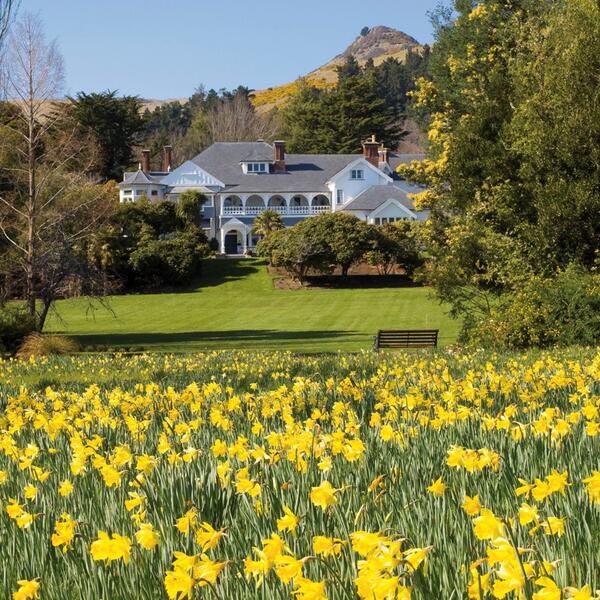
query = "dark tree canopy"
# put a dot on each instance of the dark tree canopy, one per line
(366, 100)
(116, 123)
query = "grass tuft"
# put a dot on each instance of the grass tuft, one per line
(38, 344)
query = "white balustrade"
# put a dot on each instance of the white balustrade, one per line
(252, 211)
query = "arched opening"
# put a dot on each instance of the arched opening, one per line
(277, 203)
(320, 203)
(255, 205)
(232, 205)
(299, 205)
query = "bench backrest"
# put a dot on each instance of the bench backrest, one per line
(406, 338)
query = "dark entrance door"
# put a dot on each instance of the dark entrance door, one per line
(231, 245)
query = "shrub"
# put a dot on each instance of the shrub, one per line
(297, 249)
(171, 261)
(15, 325)
(559, 311)
(394, 245)
(38, 344)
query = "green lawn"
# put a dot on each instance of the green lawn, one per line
(237, 306)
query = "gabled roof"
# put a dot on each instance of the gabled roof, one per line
(140, 178)
(304, 172)
(373, 197)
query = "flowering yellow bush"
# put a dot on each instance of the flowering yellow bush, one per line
(281, 93)
(239, 475)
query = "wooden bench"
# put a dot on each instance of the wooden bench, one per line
(406, 338)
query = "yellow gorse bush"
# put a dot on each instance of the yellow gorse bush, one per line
(238, 475)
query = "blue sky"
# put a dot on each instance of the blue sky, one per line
(166, 48)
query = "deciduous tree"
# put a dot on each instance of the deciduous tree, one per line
(49, 204)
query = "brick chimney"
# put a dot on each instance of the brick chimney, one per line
(384, 155)
(167, 159)
(371, 151)
(146, 161)
(279, 156)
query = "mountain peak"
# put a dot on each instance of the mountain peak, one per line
(379, 41)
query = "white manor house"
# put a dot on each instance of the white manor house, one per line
(243, 179)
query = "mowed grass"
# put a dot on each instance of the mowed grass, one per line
(236, 306)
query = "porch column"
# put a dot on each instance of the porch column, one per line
(222, 241)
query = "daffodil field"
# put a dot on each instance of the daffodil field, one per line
(248, 475)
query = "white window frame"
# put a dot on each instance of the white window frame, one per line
(357, 174)
(340, 197)
(257, 168)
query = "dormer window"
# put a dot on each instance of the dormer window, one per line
(357, 174)
(257, 167)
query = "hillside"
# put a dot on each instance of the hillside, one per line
(379, 44)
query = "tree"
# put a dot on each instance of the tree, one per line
(347, 237)
(49, 206)
(7, 11)
(350, 68)
(394, 245)
(189, 207)
(298, 249)
(225, 116)
(116, 124)
(338, 120)
(149, 244)
(364, 31)
(513, 169)
(266, 223)
(302, 117)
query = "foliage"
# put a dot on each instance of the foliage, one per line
(265, 224)
(560, 311)
(395, 245)
(341, 239)
(338, 120)
(298, 249)
(149, 244)
(169, 261)
(15, 324)
(116, 124)
(319, 243)
(513, 169)
(224, 116)
(276, 95)
(411, 476)
(189, 207)
(37, 344)
(347, 237)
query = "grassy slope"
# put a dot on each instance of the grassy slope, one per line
(238, 307)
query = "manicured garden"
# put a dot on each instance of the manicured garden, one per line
(236, 305)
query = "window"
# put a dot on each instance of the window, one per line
(257, 168)
(126, 192)
(139, 192)
(154, 193)
(340, 196)
(357, 174)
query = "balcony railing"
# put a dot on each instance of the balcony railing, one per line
(292, 211)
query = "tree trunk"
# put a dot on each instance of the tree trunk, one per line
(31, 215)
(43, 314)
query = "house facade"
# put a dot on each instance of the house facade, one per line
(243, 179)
